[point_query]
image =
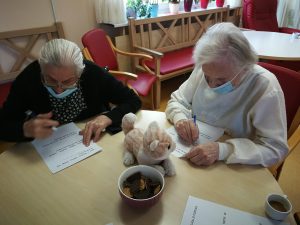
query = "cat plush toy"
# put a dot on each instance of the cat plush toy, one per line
(151, 147)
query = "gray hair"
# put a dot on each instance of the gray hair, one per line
(224, 41)
(61, 52)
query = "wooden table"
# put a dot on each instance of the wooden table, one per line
(86, 193)
(274, 45)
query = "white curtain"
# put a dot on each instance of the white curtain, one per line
(282, 13)
(296, 19)
(288, 13)
(111, 11)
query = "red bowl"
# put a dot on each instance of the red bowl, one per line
(149, 172)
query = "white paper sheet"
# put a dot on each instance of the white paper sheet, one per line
(202, 212)
(64, 148)
(207, 133)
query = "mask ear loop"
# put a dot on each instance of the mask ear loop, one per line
(242, 78)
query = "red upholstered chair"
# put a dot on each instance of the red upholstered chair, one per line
(4, 90)
(99, 48)
(261, 15)
(290, 83)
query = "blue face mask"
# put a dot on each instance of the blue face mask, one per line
(64, 94)
(227, 87)
(224, 88)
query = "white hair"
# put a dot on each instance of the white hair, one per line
(224, 41)
(61, 52)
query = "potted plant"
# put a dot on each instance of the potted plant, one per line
(204, 3)
(187, 4)
(174, 6)
(154, 8)
(220, 3)
(139, 8)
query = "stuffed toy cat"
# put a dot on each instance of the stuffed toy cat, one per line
(151, 147)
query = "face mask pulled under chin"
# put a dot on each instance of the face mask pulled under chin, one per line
(224, 88)
(227, 87)
(64, 94)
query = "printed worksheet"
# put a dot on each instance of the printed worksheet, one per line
(207, 133)
(64, 148)
(202, 212)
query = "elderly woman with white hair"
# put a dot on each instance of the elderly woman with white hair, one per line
(228, 89)
(62, 87)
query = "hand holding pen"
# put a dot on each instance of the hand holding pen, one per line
(39, 126)
(187, 129)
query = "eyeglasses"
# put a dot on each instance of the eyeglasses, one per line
(68, 84)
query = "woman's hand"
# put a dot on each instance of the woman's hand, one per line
(94, 128)
(40, 126)
(204, 154)
(187, 130)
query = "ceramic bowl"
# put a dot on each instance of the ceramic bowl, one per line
(148, 172)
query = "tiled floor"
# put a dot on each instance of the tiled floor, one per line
(289, 179)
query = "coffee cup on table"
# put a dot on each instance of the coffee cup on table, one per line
(277, 206)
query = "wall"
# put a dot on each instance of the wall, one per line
(77, 16)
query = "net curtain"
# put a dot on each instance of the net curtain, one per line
(111, 11)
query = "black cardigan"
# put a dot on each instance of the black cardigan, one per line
(99, 88)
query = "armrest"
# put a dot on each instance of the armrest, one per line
(127, 75)
(133, 54)
(288, 30)
(131, 76)
(156, 54)
(86, 54)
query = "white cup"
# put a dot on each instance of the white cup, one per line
(277, 206)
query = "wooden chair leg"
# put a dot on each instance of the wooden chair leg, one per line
(152, 98)
(157, 93)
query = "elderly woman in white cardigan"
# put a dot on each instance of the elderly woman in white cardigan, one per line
(228, 89)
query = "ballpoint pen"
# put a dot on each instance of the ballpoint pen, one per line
(195, 122)
(29, 115)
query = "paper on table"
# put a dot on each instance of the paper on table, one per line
(64, 148)
(207, 133)
(202, 212)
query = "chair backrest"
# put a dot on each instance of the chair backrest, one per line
(290, 83)
(99, 48)
(4, 90)
(260, 15)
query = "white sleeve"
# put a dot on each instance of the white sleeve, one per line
(179, 106)
(269, 142)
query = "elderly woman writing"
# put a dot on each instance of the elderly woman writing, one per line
(228, 89)
(60, 88)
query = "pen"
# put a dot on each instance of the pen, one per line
(29, 115)
(195, 122)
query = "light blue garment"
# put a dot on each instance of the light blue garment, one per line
(64, 94)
